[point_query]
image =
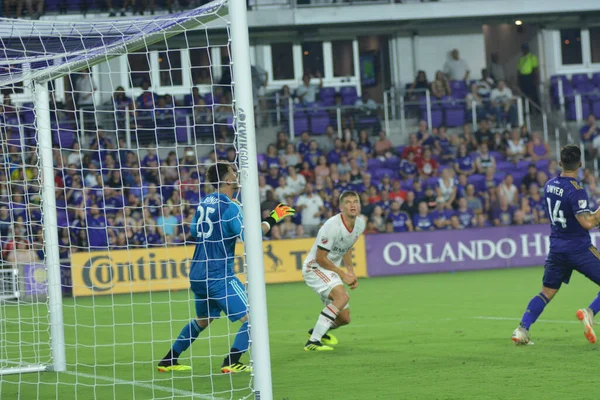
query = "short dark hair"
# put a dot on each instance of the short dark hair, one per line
(570, 157)
(216, 173)
(348, 193)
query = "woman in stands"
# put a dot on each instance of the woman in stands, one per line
(357, 154)
(515, 148)
(418, 87)
(440, 87)
(537, 149)
(475, 99)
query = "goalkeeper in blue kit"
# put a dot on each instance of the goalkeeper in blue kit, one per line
(216, 226)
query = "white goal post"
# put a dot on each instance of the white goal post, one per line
(40, 66)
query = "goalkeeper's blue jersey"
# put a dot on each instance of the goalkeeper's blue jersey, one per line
(216, 226)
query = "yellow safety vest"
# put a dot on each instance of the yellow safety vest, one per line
(527, 63)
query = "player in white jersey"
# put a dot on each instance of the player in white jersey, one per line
(322, 272)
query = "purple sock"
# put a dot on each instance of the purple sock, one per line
(595, 306)
(534, 309)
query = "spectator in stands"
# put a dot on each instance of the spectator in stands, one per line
(455, 68)
(423, 136)
(503, 105)
(364, 143)
(295, 181)
(307, 172)
(357, 154)
(383, 146)
(529, 216)
(400, 220)
(310, 205)
(422, 220)
(410, 204)
(446, 190)
(440, 87)
(508, 190)
(426, 165)
(283, 190)
(289, 230)
(122, 105)
(482, 135)
(307, 93)
(408, 166)
(284, 96)
(496, 70)
(334, 156)
(537, 149)
(528, 74)
(516, 148)
(378, 219)
(23, 253)
(485, 84)
(464, 162)
(313, 154)
(474, 203)
(465, 216)
(282, 142)
(291, 156)
(413, 146)
(441, 216)
(503, 214)
(84, 89)
(474, 99)
(418, 87)
(484, 161)
(589, 132)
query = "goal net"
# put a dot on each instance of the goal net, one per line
(107, 129)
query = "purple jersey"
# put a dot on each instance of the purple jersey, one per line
(408, 168)
(565, 198)
(443, 215)
(465, 218)
(423, 223)
(504, 216)
(399, 220)
(465, 163)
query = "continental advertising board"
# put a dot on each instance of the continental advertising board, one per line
(160, 269)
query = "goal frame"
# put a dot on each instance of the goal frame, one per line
(248, 175)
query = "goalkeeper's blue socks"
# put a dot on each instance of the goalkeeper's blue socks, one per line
(595, 306)
(534, 309)
(188, 334)
(240, 345)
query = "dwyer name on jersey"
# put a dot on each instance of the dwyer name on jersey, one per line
(334, 237)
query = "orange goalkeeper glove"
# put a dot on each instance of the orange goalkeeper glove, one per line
(279, 213)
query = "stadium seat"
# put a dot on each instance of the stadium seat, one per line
(578, 80)
(319, 120)
(454, 112)
(300, 122)
(478, 181)
(436, 113)
(459, 89)
(542, 164)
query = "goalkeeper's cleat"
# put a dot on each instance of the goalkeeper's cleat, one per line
(167, 366)
(327, 339)
(235, 368)
(316, 346)
(521, 336)
(586, 316)
(282, 211)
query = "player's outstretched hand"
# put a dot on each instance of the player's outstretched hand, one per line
(282, 211)
(350, 280)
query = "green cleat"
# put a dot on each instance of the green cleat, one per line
(316, 346)
(235, 368)
(327, 339)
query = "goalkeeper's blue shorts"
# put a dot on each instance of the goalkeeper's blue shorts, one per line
(230, 298)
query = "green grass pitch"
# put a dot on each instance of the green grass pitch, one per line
(443, 336)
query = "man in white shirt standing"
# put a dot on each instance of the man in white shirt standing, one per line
(322, 273)
(455, 68)
(311, 205)
(503, 104)
(85, 89)
(306, 92)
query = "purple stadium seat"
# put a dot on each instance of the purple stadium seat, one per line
(521, 166)
(596, 108)
(432, 182)
(374, 163)
(580, 80)
(454, 113)
(518, 177)
(407, 184)
(556, 78)
(261, 158)
(571, 112)
(436, 113)
(498, 156)
(319, 120)
(64, 135)
(181, 134)
(326, 92)
(504, 166)
(392, 163)
(400, 149)
(349, 95)
(459, 89)
(478, 181)
(596, 79)
(542, 164)
(300, 122)
(381, 172)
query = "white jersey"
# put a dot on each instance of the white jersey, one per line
(336, 238)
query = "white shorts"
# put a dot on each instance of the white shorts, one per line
(322, 282)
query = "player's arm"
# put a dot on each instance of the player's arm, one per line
(589, 220)
(325, 263)
(348, 264)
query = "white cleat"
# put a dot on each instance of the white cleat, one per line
(586, 316)
(521, 337)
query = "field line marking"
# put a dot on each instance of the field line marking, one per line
(361, 326)
(172, 391)
(550, 321)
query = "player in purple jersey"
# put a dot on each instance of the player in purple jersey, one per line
(570, 245)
